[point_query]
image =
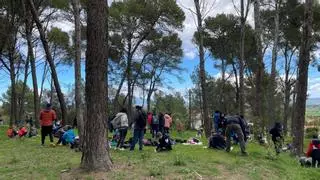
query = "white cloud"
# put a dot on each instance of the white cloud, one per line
(220, 6)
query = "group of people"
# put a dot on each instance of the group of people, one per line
(229, 127)
(49, 127)
(159, 127)
(26, 129)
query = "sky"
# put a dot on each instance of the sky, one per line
(190, 59)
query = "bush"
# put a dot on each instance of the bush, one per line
(310, 132)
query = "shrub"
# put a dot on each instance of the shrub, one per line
(310, 132)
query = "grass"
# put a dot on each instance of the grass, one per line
(24, 158)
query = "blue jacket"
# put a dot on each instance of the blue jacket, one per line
(216, 120)
(69, 136)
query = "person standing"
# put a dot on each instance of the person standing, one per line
(47, 116)
(167, 122)
(161, 122)
(140, 121)
(237, 125)
(122, 120)
(154, 124)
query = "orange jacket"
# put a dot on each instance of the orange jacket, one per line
(47, 117)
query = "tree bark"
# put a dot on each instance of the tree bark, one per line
(260, 69)
(207, 122)
(237, 84)
(302, 86)
(50, 60)
(95, 155)
(77, 66)
(22, 100)
(13, 101)
(273, 85)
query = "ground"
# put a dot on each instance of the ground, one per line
(26, 159)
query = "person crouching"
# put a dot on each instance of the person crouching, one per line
(164, 142)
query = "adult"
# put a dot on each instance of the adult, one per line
(161, 122)
(314, 151)
(216, 120)
(167, 122)
(236, 124)
(154, 124)
(120, 122)
(47, 116)
(277, 138)
(140, 121)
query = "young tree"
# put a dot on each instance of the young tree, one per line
(95, 155)
(302, 84)
(77, 64)
(134, 21)
(49, 58)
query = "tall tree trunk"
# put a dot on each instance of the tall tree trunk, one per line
(50, 61)
(294, 102)
(237, 84)
(13, 101)
(29, 27)
(116, 99)
(95, 155)
(302, 86)
(241, 60)
(77, 66)
(273, 85)
(21, 108)
(207, 122)
(44, 76)
(260, 69)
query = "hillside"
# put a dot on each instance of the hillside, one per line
(25, 159)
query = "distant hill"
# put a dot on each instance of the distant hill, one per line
(313, 102)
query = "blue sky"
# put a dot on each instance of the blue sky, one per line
(190, 59)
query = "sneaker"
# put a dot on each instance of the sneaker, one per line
(121, 149)
(52, 145)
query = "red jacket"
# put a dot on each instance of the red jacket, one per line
(23, 131)
(314, 144)
(47, 117)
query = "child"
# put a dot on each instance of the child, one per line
(22, 131)
(164, 142)
(276, 133)
(11, 132)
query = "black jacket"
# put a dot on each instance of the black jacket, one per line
(140, 120)
(237, 120)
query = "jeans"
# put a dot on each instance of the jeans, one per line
(123, 134)
(137, 136)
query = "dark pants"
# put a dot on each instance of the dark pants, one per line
(123, 134)
(315, 154)
(236, 129)
(277, 144)
(155, 130)
(166, 130)
(46, 130)
(161, 129)
(137, 136)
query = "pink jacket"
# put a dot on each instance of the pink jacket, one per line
(167, 121)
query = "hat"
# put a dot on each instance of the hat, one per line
(48, 105)
(138, 107)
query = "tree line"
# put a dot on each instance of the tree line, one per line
(133, 44)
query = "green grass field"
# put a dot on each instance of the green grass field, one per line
(25, 159)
